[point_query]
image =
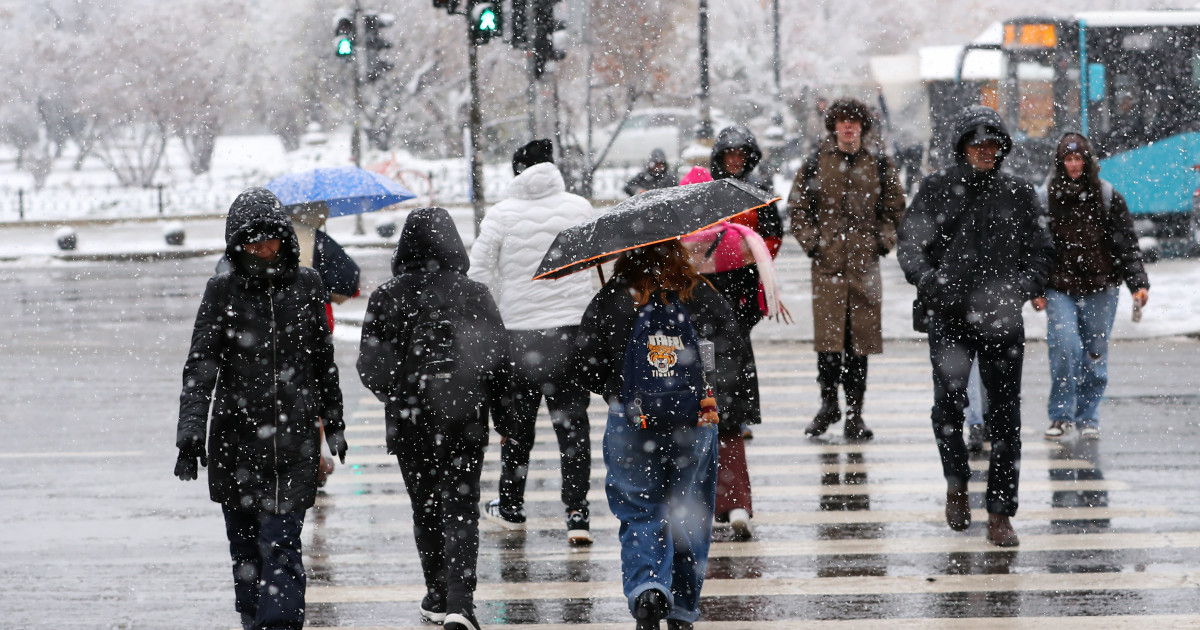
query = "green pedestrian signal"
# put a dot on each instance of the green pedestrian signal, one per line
(486, 20)
(344, 32)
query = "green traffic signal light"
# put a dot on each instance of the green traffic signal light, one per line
(345, 47)
(487, 20)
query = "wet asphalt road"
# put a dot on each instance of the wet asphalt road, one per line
(96, 533)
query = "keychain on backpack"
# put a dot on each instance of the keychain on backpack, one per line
(708, 404)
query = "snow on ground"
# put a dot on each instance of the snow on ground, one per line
(92, 192)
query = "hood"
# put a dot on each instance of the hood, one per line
(254, 216)
(657, 156)
(730, 138)
(536, 182)
(972, 118)
(430, 242)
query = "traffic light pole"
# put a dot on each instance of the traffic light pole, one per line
(475, 130)
(356, 128)
(704, 130)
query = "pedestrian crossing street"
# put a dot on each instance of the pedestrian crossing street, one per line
(846, 534)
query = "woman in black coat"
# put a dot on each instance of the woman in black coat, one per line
(650, 468)
(262, 355)
(438, 439)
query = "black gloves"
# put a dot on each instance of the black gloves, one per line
(190, 449)
(337, 444)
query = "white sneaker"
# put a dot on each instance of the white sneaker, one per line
(1090, 433)
(739, 522)
(490, 511)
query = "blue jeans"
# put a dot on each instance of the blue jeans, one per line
(1077, 332)
(662, 485)
(268, 568)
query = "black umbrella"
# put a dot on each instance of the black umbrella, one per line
(651, 217)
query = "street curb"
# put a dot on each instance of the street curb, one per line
(41, 224)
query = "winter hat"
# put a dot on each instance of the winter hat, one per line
(848, 109)
(697, 175)
(535, 152)
(657, 156)
(1074, 143)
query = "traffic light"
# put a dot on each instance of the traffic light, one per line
(449, 6)
(344, 31)
(486, 20)
(520, 34)
(374, 44)
(545, 25)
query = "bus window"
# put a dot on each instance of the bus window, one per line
(1035, 91)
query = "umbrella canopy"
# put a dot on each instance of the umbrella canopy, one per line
(651, 217)
(343, 189)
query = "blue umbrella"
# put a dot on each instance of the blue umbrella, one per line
(344, 189)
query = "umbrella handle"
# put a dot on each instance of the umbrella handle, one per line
(600, 271)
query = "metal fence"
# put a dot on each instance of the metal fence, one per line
(444, 184)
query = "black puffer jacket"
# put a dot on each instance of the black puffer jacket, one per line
(262, 354)
(430, 266)
(608, 322)
(975, 243)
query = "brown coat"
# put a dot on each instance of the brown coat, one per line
(838, 221)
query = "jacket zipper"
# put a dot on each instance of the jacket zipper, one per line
(274, 388)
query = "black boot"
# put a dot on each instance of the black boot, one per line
(855, 429)
(649, 607)
(829, 369)
(855, 384)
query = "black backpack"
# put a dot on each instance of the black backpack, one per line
(454, 350)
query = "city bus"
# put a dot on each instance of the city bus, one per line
(1130, 81)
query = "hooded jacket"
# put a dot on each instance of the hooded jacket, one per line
(513, 238)
(651, 178)
(608, 324)
(768, 223)
(262, 355)
(428, 268)
(1096, 243)
(975, 243)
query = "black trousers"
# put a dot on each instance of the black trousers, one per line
(268, 567)
(441, 473)
(844, 368)
(542, 367)
(952, 348)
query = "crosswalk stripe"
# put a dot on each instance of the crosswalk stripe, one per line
(1112, 622)
(752, 449)
(873, 468)
(856, 585)
(793, 491)
(71, 454)
(603, 551)
(601, 520)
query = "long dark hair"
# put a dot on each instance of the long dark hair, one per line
(665, 266)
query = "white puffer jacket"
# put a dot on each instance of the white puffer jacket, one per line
(513, 238)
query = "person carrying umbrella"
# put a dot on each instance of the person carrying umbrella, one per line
(262, 358)
(640, 346)
(661, 481)
(844, 205)
(542, 319)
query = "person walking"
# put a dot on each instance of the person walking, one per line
(975, 244)
(661, 480)
(1097, 250)
(736, 154)
(542, 319)
(262, 357)
(844, 207)
(433, 351)
(656, 175)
